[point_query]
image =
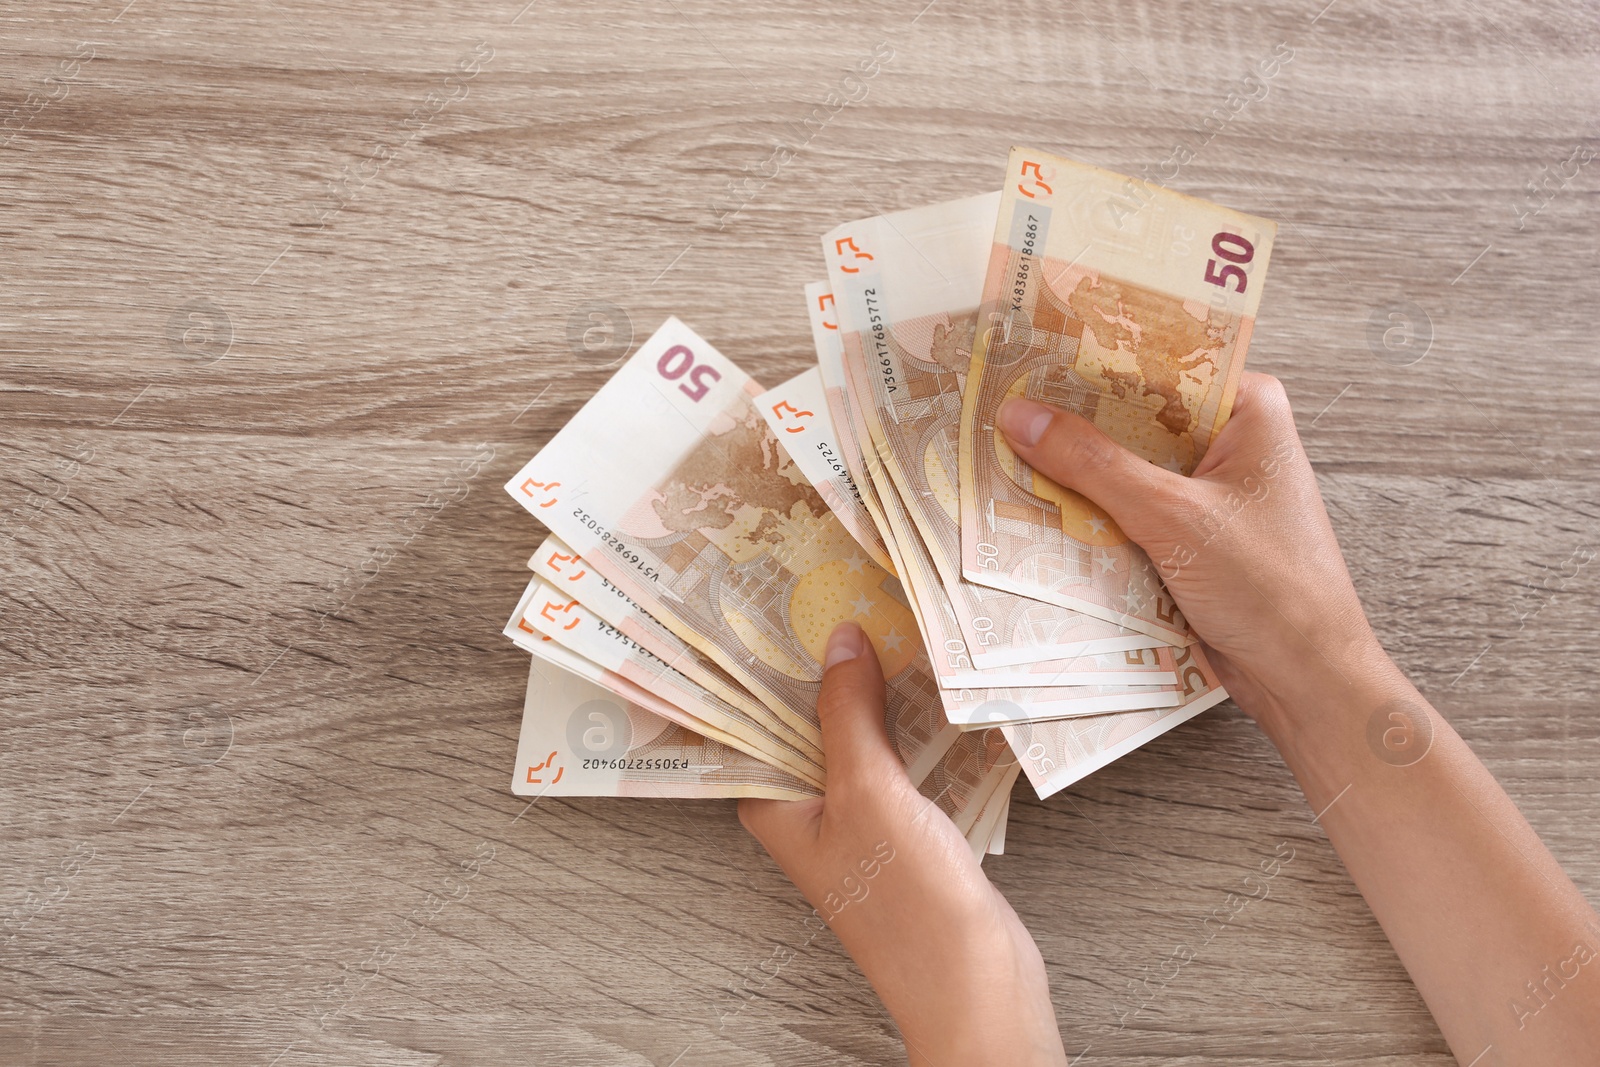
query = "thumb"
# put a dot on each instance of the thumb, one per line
(850, 707)
(1073, 452)
(855, 742)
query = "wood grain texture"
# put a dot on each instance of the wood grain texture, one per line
(396, 280)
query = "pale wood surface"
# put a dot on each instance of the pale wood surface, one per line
(174, 581)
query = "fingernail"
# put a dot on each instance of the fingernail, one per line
(1024, 421)
(845, 643)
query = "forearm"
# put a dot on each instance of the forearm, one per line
(975, 991)
(1009, 1021)
(1498, 940)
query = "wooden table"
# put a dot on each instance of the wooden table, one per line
(272, 271)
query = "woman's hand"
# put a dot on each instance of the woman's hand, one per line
(1494, 934)
(1244, 545)
(898, 884)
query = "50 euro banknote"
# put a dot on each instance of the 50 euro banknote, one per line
(668, 704)
(570, 624)
(672, 487)
(1005, 694)
(559, 565)
(848, 428)
(627, 739)
(571, 603)
(580, 738)
(1131, 305)
(906, 288)
(798, 414)
(1055, 754)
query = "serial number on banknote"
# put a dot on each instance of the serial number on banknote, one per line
(662, 764)
(880, 340)
(616, 634)
(1019, 285)
(836, 465)
(616, 544)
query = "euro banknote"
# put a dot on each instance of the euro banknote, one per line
(997, 837)
(1139, 666)
(988, 832)
(847, 425)
(581, 739)
(1131, 305)
(674, 489)
(961, 778)
(798, 415)
(566, 621)
(983, 704)
(967, 694)
(906, 289)
(547, 649)
(558, 564)
(1056, 754)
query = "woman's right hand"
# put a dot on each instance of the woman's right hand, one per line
(1244, 545)
(1490, 928)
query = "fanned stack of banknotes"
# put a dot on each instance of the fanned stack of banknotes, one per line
(707, 534)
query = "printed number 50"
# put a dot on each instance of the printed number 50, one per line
(677, 361)
(1235, 249)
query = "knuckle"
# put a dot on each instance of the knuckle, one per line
(1191, 513)
(1078, 446)
(1268, 392)
(845, 692)
(1263, 385)
(1267, 418)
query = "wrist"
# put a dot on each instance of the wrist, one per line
(1334, 709)
(990, 1002)
(1315, 670)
